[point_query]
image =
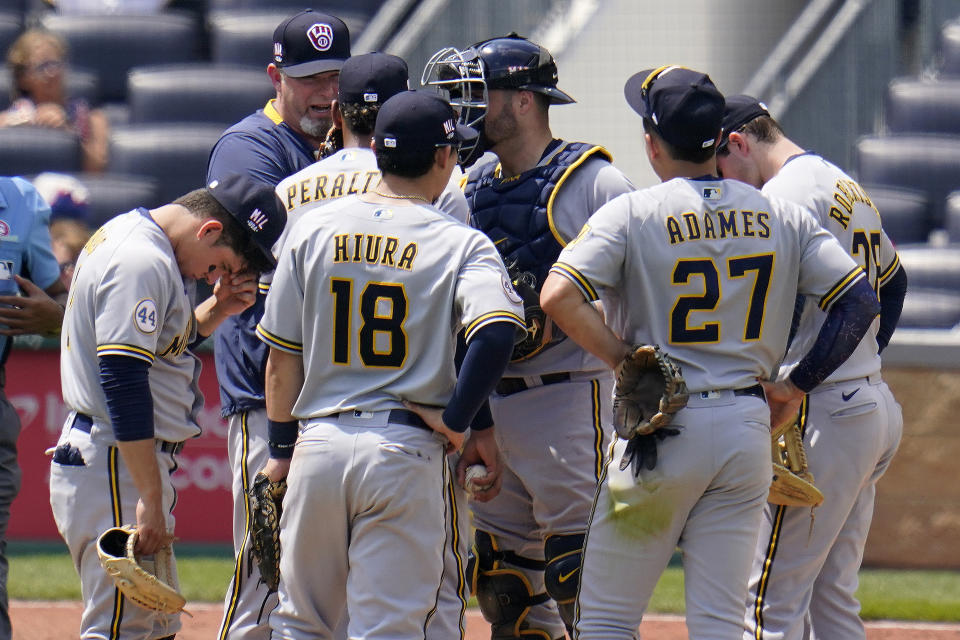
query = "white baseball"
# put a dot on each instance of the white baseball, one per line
(470, 477)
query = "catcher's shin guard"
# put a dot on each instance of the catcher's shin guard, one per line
(562, 573)
(504, 594)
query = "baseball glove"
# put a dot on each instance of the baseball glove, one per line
(792, 481)
(152, 584)
(266, 506)
(649, 390)
(540, 328)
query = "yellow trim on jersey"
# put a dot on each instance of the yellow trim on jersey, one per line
(493, 316)
(277, 342)
(566, 174)
(125, 350)
(463, 181)
(890, 270)
(838, 289)
(580, 280)
(455, 546)
(263, 287)
(235, 585)
(597, 428)
(113, 474)
(271, 111)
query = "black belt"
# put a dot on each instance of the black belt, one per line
(510, 386)
(756, 391)
(397, 416)
(83, 422)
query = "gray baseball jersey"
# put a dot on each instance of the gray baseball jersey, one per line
(844, 209)
(851, 424)
(708, 269)
(128, 298)
(315, 308)
(722, 307)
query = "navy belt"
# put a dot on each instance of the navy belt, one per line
(83, 422)
(756, 391)
(510, 386)
(397, 416)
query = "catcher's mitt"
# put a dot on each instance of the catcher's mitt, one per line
(648, 391)
(540, 328)
(792, 481)
(152, 584)
(266, 506)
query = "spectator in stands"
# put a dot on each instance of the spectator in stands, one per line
(25, 250)
(37, 63)
(69, 218)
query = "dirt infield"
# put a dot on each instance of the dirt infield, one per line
(59, 620)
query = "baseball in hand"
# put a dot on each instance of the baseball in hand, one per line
(470, 477)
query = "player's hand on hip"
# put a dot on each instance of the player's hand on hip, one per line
(152, 531)
(784, 399)
(276, 469)
(34, 312)
(433, 416)
(235, 292)
(481, 448)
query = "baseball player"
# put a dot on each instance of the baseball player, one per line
(361, 319)
(279, 140)
(366, 81)
(703, 267)
(851, 422)
(130, 379)
(531, 195)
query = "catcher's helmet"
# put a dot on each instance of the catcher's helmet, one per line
(508, 62)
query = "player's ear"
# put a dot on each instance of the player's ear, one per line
(275, 75)
(335, 114)
(210, 230)
(739, 142)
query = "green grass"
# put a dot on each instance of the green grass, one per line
(44, 572)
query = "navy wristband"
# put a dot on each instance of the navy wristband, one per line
(281, 436)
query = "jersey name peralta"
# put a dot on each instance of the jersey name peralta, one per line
(373, 296)
(128, 298)
(844, 209)
(710, 269)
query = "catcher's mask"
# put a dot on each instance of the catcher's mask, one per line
(465, 77)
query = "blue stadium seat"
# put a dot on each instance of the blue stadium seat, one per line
(11, 24)
(31, 150)
(80, 84)
(933, 293)
(173, 154)
(923, 106)
(905, 213)
(110, 45)
(925, 163)
(196, 93)
(953, 217)
(245, 36)
(113, 193)
(930, 309)
(950, 49)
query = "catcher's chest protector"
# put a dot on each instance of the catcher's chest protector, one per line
(515, 212)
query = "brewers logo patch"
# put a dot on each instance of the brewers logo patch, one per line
(321, 36)
(508, 289)
(145, 316)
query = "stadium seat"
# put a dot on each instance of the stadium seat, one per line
(953, 217)
(110, 45)
(930, 309)
(926, 163)
(904, 213)
(30, 150)
(196, 93)
(112, 193)
(80, 84)
(334, 7)
(950, 50)
(11, 24)
(173, 154)
(923, 106)
(245, 37)
(932, 267)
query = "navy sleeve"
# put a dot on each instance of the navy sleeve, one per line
(485, 359)
(847, 321)
(241, 153)
(892, 293)
(126, 384)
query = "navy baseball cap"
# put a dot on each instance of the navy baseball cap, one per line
(418, 121)
(255, 206)
(310, 42)
(372, 78)
(740, 110)
(684, 105)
